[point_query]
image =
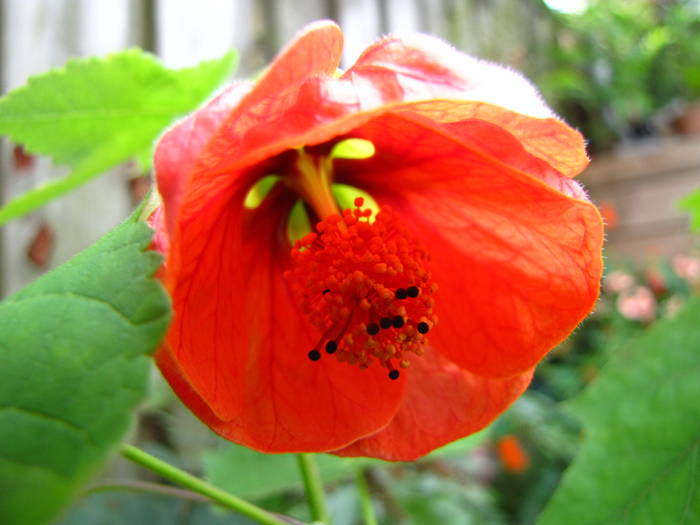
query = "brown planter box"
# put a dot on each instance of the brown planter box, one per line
(642, 183)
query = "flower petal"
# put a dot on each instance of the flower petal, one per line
(180, 148)
(517, 255)
(421, 67)
(316, 50)
(293, 104)
(237, 348)
(442, 403)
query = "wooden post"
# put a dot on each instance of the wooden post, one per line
(4, 147)
(149, 29)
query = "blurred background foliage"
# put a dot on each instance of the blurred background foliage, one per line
(623, 69)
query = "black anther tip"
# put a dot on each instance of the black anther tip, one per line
(326, 291)
(394, 374)
(401, 293)
(331, 347)
(398, 321)
(413, 291)
(314, 355)
(372, 328)
(385, 322)
(423, 327)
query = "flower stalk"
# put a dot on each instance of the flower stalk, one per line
(199, 486)
(313, 487)
(368, 516)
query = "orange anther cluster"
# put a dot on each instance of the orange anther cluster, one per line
(364, 285)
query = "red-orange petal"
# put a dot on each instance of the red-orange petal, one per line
(188, 175)
(237, 348)
(424, 68)
(442, 403)
(181, 147)
(516, 255)
(315, 50)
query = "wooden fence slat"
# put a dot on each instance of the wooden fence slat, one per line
(432, 17)
(292, 16)
(43, 34)
(189, 32)
(403, 16)
(4, 147)
(360, 22)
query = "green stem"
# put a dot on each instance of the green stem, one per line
(368, 516)
(200, 486)
(146, 486)
(314, 487)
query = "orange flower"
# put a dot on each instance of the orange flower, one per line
(512, 454)
(383, 338)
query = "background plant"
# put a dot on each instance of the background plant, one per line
(614, 66)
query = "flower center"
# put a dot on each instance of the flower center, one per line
(363, 284)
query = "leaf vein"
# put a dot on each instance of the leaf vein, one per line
(693, 484)
(53, 419)
(663, 473)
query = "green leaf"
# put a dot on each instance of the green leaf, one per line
(95, 113)
(74, 363)
(640, 460)
(691, 204)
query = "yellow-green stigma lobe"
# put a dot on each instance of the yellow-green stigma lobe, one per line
(365, 286)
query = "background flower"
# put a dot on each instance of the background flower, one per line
(637, 303)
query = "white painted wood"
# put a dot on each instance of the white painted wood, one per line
(360, 22)
(31, 45)
(403, 16)
(432, 17)
(294, 15)
(189, 32)
(103, 26)
(32, 40)
(246, 25)
(39, 35)
(457, 24)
